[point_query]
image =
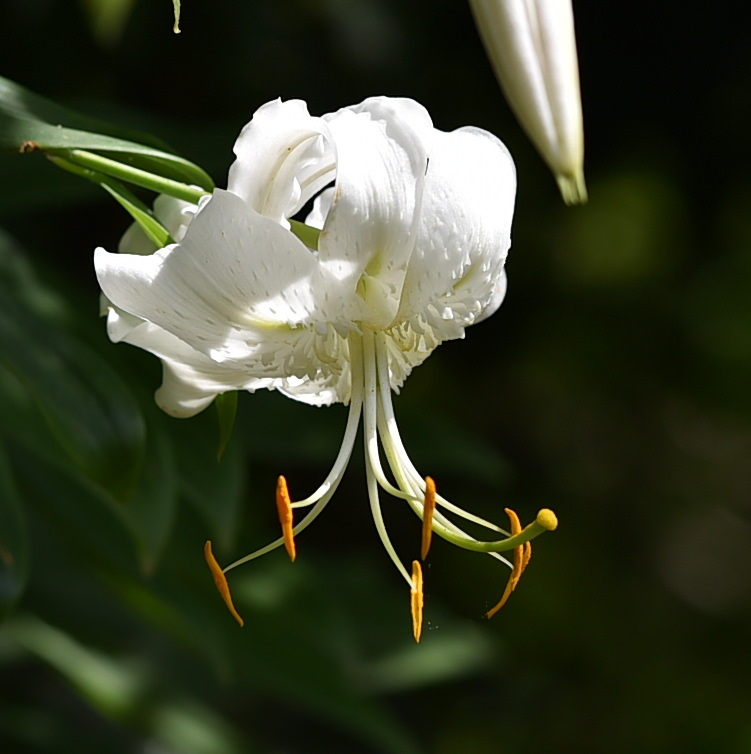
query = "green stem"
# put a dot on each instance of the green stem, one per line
(155, 231)
(97, 168)
(129, 174)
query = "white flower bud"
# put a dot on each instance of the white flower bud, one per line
(532, 46)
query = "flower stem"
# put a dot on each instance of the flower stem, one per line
(130, 174)
(155, 231)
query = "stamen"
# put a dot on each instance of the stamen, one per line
(416, 600)
(284, 508)
(522, 555)
(221, 581)
(428, 508)
(527, 555)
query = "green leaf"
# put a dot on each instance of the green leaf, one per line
(95, 166)
(29, 123)
(85, 405)
(84, 515)
(214, 487)
(176, 7)
(307, 234)
(150, 511)
(226, 406)
(154, 230)
(87, 409)
(145, 518)
(18, 102)
(14, 550)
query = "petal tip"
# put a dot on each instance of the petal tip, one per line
(573, 188)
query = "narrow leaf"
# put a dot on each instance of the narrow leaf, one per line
(150, 511)
(83, 401)
(29, 123)
(226, 406)
(145, 218)
(215, 487)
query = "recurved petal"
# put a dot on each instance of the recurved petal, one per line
(191, 380)
(532, 46)
(456, 268)
(368, 234)
(321, 206)
(235, 288)
(496, 299)
(284, 157)
(319, 391)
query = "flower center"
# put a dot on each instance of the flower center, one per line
(371, 397)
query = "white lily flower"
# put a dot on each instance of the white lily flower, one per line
(414, 230)
(532, 46)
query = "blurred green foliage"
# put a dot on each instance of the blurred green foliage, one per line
(613, 386)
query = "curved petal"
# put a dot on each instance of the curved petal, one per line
(407, 346)
(368, 235)
(191, 380)
(320, 391)
(321, 206)
(235, 288)
(464, 233)
(284, 157)
(496, 299)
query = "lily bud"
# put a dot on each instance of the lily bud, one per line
(532, 47)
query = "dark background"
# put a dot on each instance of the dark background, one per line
(612, 386)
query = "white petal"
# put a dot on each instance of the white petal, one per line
(532, 46)
(496, 299)
(321, 206)
(235, 288)
(368, 235)
(284, 157)
(464, 233)
(191, 380)
(320, 391)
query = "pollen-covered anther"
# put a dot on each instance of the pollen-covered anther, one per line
(416, 600)
(221, 581)
(522, 556)
(284, 508)
(428, 507)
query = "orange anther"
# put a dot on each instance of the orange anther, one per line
(527, 554)
(284, 508)
(522, 555)
(416, 600)
(428, 508)
(221, 581)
